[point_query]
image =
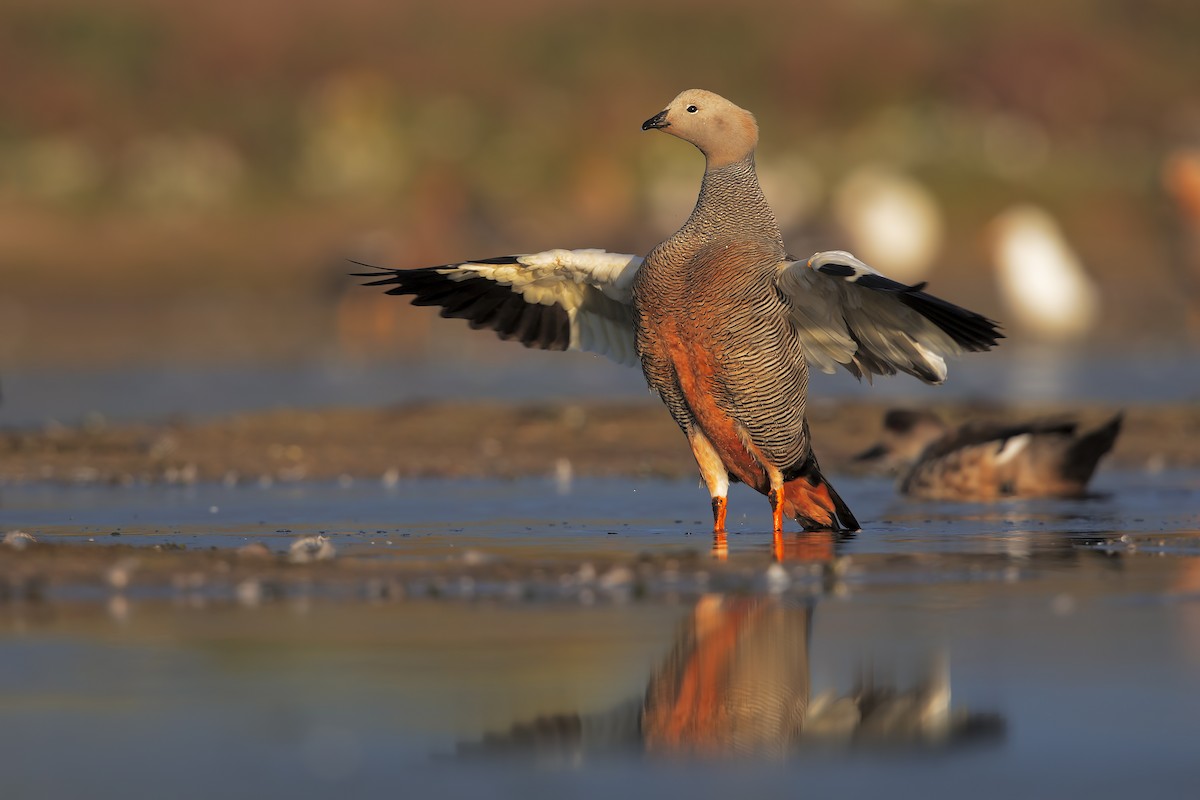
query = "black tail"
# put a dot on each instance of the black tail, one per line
(1085, 452)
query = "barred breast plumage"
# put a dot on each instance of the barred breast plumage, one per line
(721, 340)
(716, 335)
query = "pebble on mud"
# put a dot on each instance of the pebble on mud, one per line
(311, 548)
(18, 540)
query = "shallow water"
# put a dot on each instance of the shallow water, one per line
(1009, 375)
(537, 516)
(1032, 649)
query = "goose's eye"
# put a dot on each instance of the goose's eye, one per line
(692, 109)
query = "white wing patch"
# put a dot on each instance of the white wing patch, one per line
(593, 287)
(558, 276)
(845, 312)
(1012, 447)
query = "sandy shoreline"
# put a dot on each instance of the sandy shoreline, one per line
(489, 440)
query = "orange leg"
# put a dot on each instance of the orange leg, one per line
(720, 546)
(719, 505)
(712, 470)
(776, 498)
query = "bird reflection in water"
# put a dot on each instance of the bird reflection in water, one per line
(736, 683)
(810, 546)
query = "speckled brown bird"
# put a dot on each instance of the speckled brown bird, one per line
(984, 462)
(723, 321)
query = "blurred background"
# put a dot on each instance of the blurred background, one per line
(181, 184)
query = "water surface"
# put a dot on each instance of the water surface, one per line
(1031, 649)
(1009, 375)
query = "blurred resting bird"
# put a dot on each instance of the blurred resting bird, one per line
(982, 462)
(722, 319)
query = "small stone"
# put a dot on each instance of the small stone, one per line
(311, 548)
(18, 540)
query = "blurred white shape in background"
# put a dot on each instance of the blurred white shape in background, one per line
(1042, 282)
(894, 223)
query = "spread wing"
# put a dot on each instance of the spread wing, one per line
(553, 300)
(849, 314)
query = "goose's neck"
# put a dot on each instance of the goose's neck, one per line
(731, 203)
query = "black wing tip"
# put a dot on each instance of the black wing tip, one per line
(376, 271)
(968, 329)
(368, 266)
(484, 303)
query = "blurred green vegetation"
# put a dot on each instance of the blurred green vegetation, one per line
(159, 157)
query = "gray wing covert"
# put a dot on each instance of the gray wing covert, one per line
(848, 314)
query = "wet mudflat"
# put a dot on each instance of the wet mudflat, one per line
(534, 638)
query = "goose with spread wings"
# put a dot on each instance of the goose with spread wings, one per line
(722, 320)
